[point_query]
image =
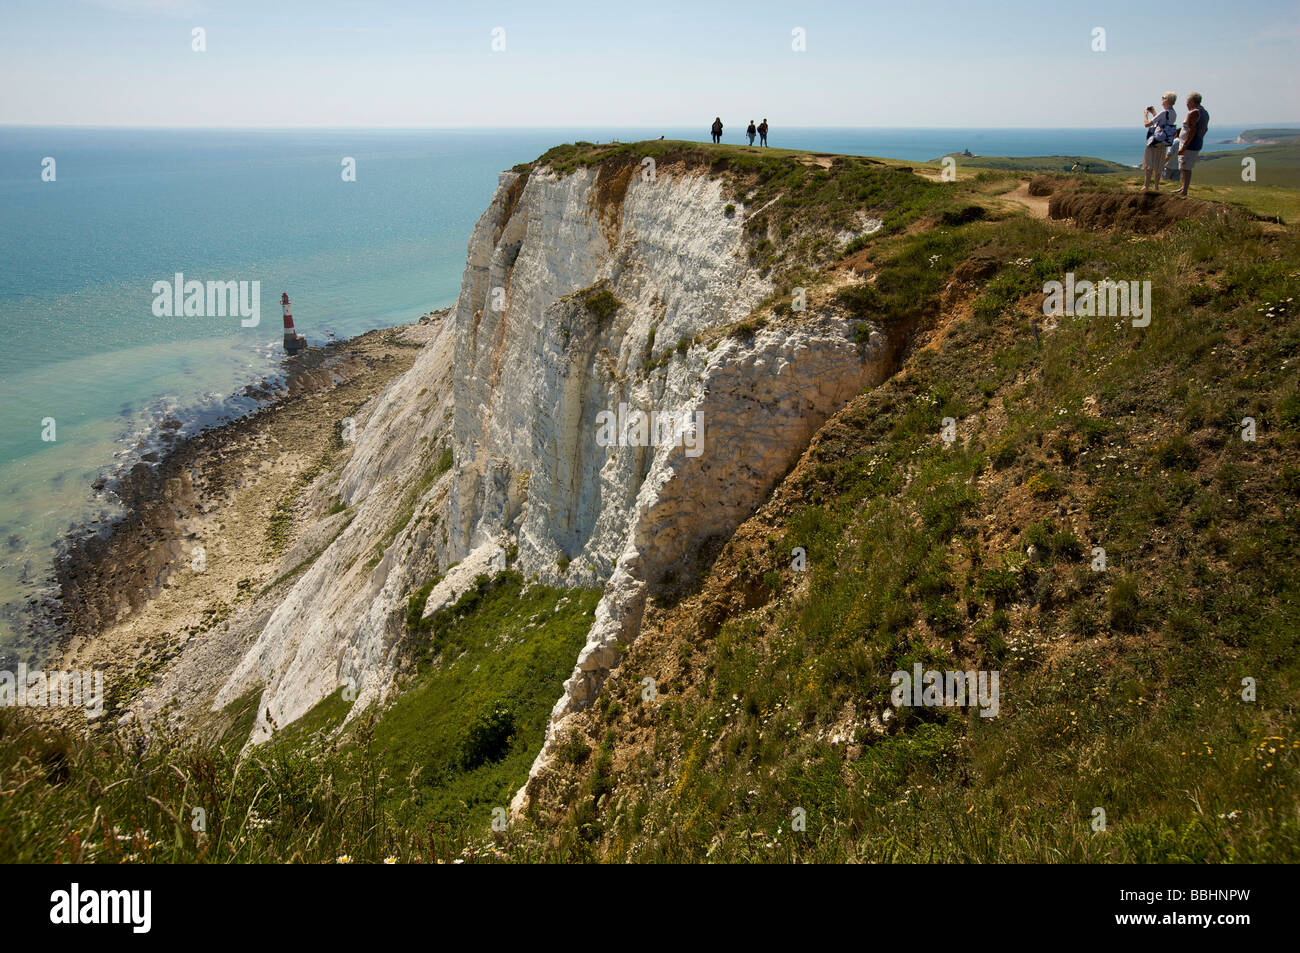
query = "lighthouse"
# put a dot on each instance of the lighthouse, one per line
(293, 342)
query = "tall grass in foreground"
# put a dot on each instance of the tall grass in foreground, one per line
(415, 781)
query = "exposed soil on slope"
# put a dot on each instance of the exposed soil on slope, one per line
(1142, 212)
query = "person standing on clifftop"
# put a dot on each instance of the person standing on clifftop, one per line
(762, 133)
(1162, 130)
(1189, 149)
(751, 131)
(717, 129)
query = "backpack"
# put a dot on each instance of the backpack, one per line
(1162, 133)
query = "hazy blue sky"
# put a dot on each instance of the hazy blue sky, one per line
(628, 63)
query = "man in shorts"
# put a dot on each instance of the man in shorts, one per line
(1189, 148)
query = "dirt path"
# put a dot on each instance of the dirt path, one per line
(1036, 204)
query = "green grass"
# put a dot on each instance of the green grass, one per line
(1120, 689)
(1275, 193)
(416, 781)
(323, 719)
(1041, 163)
(502, 647)
(572, 156)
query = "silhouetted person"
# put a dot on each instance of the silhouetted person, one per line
(717, 129)
(751, 130)
(762, 133)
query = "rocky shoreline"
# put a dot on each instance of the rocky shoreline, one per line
(206, 522)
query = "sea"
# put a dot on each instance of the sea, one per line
(362, 228)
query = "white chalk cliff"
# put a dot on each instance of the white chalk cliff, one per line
(514, 379)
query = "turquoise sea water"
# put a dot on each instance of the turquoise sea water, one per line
(79, 343)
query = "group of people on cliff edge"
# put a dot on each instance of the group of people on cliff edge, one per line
(1164, 141)
(751, 130)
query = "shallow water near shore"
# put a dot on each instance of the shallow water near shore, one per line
(82, 345)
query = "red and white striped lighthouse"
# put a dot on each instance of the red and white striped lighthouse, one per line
(293, 342)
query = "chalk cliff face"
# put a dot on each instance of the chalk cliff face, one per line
(534, 367)
(581, 292)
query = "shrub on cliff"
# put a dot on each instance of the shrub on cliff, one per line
(601, 304)
(489, 737)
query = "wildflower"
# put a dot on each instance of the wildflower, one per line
(344, 859)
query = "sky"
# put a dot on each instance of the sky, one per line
(331, 63)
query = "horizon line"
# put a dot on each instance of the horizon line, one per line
(541, 128)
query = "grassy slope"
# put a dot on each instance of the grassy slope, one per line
(503, 648)
(1276, 189)
(1121, 689)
